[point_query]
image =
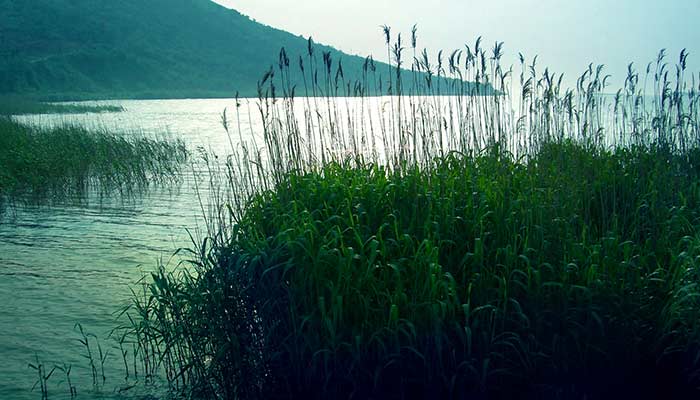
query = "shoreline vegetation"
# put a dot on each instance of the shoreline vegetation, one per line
(544, 246)
(11, 105)
(38, 164)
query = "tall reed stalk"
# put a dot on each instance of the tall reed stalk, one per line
(452, 239)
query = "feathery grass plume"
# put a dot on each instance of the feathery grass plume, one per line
(498, 243)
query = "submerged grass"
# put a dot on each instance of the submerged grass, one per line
(545, 246)
(67, 160)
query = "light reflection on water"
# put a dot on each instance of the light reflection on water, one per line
(69, 263)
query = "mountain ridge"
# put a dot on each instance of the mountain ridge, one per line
(82, 49)
(54, 50)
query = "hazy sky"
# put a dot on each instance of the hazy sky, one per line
(566, 34)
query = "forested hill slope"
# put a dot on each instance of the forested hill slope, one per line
(75, 49)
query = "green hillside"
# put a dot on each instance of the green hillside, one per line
(88, 49)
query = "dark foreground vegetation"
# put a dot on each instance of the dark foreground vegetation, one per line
(538, 246)
(63, 161)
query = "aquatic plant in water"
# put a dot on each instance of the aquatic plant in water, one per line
(543, 245)
(69, 161)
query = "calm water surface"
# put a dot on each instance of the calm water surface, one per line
(68, 263)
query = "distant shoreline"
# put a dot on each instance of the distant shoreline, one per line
(61, 98)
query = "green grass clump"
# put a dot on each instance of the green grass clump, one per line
(21, 106)
(538, 246)
(69, 160)
(574, 274)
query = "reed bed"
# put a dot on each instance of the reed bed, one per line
(65, 161)
(10, 105)
(536, 244)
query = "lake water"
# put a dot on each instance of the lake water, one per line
(72, 263)
(75, 263)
